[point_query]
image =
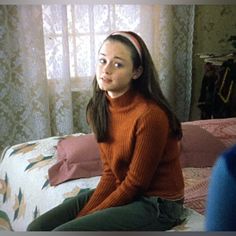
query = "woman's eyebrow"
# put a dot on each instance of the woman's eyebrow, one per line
(116, 57)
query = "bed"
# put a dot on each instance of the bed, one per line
(27, 192)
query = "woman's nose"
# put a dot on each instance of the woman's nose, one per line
(107, 68)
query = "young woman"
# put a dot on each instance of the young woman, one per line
(142, 186)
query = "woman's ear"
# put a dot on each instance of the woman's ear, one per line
(137, 72)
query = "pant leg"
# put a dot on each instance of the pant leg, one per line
(61, 214)
(147, 213)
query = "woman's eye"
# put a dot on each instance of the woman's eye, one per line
(117, 64)
(102, 61)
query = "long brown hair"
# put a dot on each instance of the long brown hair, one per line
(147, 84)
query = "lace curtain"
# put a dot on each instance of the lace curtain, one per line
(48, 55)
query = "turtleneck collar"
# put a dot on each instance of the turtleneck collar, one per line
(123, 101)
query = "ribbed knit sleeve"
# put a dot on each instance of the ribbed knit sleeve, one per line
(105, 187)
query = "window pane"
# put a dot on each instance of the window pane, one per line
(83, 55)
(52, 25)
(127, 17)
(102, 16)
(88, 25)
(78, 19)
(80, 63)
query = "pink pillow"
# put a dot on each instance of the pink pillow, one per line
(77, 157)
(199, 148)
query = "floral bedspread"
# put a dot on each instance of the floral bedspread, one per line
(25, 192)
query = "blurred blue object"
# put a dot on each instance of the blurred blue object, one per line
(221, 200)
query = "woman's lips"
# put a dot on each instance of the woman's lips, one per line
(106, 80)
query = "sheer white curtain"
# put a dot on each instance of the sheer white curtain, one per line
(24, 100)
(54, 22)
(48, 56)
(175, 44)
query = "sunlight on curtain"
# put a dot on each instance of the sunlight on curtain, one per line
(48, 55)
(58, 68)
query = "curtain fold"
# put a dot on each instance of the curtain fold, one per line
(24, 95)
(36, 84)
(184, 44)
(57, 51)
(175, 44)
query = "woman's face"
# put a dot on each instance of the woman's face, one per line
(114, 71)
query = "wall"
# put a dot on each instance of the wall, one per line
(213, 26)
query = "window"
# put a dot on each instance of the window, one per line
(74, 33)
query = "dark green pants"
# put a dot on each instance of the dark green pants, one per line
(143, 214)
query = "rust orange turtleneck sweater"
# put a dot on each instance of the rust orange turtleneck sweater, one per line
(140, 158)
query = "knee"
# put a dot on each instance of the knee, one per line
(35, 226)
(32, 227)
